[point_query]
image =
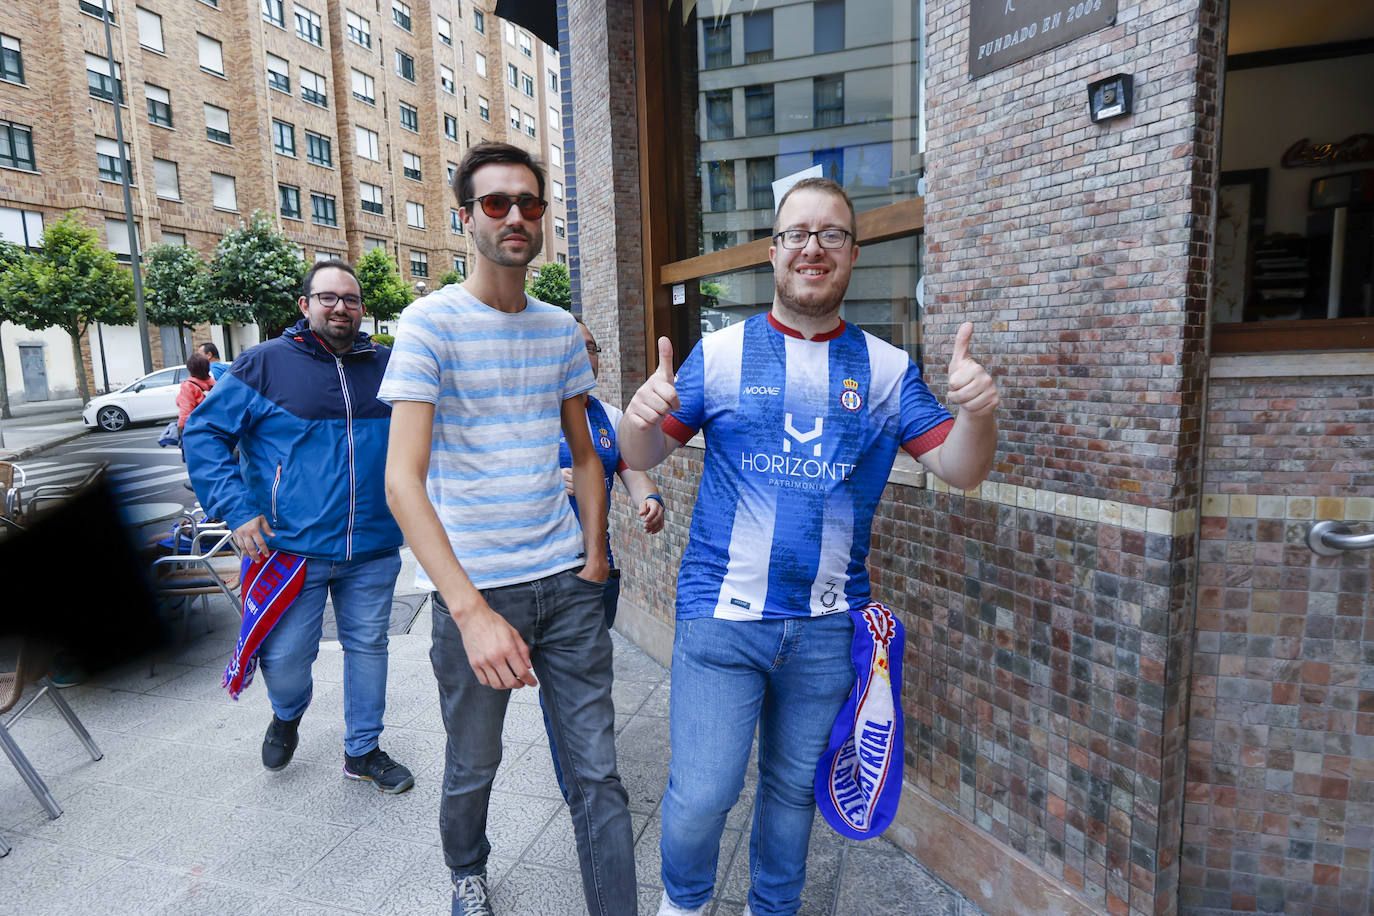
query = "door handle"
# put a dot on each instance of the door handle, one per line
(1330, 539)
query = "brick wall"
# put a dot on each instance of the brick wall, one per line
(1280, 794)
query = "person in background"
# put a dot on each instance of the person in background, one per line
(194, 389)
(602, 419)
(211, 352)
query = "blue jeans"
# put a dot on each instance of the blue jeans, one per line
(787, 677)
(561, 619)
(362, 591)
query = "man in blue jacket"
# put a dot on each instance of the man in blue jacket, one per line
(312, 438)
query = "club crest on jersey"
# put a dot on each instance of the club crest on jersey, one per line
(605, 437)
(850, 399)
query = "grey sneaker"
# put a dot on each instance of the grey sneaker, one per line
(470, 896)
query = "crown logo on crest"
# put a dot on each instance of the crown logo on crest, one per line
(851, 384)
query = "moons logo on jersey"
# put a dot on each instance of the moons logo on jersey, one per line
(850, 399)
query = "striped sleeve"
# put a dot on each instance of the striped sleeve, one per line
(413, 372)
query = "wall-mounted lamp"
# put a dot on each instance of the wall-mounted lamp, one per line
(1109, 98)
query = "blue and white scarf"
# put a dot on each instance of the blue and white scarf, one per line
(859, 777)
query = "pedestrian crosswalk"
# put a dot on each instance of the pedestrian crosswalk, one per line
(130, 482)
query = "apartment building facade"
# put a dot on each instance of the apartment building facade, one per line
(343, 118)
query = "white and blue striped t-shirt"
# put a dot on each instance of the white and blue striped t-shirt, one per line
(497, 382)
(800, 438)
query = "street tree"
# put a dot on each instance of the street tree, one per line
(552, 285)
(256, 275)
(450, 276)
(176, 289)
(68, 283)
(10, 256)
(383, 289)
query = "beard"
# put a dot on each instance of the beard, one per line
(339, 337)
(815, 303)
(489, 246)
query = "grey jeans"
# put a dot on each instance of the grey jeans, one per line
(561, 619)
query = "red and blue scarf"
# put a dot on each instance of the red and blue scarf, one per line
(270, 584)
(859, 777)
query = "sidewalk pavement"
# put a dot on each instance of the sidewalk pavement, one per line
(180, 817)
(40, 425)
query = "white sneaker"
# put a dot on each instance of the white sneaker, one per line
(666, 907)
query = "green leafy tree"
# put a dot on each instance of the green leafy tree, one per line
(383, 289)
(176, 289)
(451, 276)
(70, 282)
(711, 293)
(256, 276)
(11, 256)
(552, 285)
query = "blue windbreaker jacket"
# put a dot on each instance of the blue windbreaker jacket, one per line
(312, 440)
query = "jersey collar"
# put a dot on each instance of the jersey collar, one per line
(792, 332)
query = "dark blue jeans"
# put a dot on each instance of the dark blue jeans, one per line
(561, 619)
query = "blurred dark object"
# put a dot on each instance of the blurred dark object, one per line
(75, 580)
(539, 16)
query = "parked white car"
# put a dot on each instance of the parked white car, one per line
(152, 397)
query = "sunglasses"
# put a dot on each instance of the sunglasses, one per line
(498, 205)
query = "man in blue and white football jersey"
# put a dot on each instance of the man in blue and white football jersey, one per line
(803, 414)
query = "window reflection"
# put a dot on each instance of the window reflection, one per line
(782, 87)
(881, 297)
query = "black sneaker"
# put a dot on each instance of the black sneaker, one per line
(279, 743)
(470, 896)
(386, 774)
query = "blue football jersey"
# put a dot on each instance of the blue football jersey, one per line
(800, 439)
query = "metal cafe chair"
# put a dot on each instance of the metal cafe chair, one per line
(33, 666)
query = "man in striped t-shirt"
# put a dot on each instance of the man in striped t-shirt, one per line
(802, 415)
(481, 381)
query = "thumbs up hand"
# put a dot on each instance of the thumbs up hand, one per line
(971, 388)
(657, 397)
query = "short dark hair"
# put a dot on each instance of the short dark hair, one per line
(334, 263)
(209, 350)
(824, 185)
(486, 154)
(198, 364)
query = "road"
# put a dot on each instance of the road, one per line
(140, 470)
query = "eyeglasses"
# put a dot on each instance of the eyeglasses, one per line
(800, 238)
(498, 205)
(330, 300)
(593, 348)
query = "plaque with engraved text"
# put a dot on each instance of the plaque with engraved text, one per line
(1001, 32)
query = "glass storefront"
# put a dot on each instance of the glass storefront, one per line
(781, 88)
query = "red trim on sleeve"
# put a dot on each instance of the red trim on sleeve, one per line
(622, 466)
(928, 439)
(677, 429)
(792, 332)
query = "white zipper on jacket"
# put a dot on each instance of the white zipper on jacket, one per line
(352, 487)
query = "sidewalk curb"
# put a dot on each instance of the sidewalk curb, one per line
(42, 446)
